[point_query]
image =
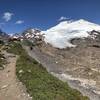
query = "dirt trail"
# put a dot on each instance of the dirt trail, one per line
(10, 87)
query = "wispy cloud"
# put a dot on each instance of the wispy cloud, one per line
(19, 22)
(7, 16)
(63, 18)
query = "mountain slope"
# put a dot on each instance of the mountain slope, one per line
(60, 35)
(31, 33)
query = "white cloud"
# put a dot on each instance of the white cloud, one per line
(62, 18)
(19, 22)
(7, 16)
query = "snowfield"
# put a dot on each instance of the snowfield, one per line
(60, 35)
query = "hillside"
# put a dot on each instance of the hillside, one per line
(40, 84)
(75, 48)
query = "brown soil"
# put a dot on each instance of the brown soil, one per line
(10, 87)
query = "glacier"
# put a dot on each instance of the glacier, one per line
(60, 35)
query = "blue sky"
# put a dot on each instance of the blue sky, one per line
(18, 15)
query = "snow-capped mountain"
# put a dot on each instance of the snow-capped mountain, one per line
(60, 35)
(31, 33)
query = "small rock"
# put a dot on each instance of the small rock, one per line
(2, 58)
(23, 94)
(5, 86)
(28, 95)
(7, 75)
(29, 71)
(21, 71)
(56, 62)
(1, 67)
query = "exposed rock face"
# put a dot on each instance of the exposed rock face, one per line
(31, 33)
(34, 35)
